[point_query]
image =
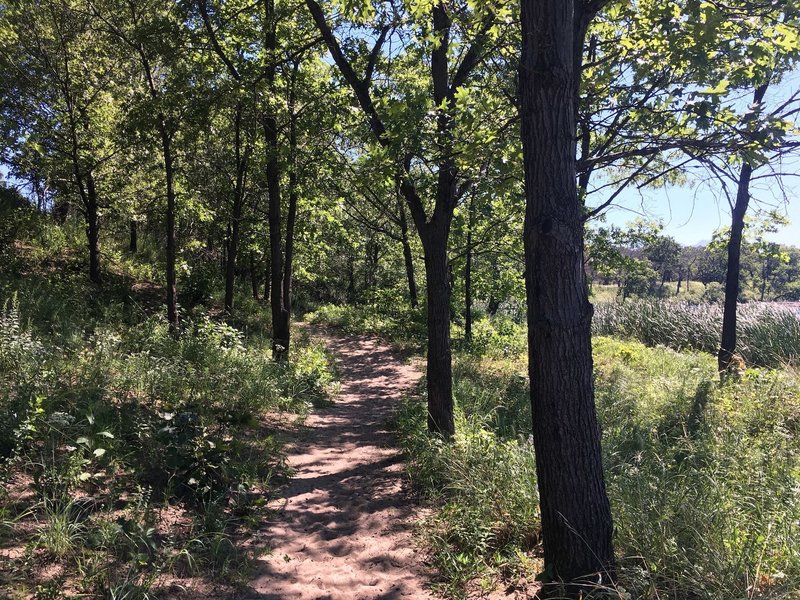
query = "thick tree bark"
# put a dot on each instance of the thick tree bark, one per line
(576, 516)
(727, 348)
(408, 258)
(439, 359)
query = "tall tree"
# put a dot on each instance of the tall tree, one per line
(576, 516)
(62, 112)
(444, 87)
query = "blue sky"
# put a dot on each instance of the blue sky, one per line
(692, 214)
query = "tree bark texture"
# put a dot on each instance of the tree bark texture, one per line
(727, 348)
(576, 516)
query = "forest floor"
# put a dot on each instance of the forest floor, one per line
(343, 525)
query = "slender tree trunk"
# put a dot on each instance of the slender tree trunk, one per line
(575, 512)
(727, 348)
(408, 258)
(93, 230)
(169, 175)
(351, 278)
(133, 245)
(468, 276)
(291, 215)
(236, 213)
(280, 315)
(253, 277)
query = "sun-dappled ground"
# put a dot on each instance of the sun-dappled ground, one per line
(343, 526)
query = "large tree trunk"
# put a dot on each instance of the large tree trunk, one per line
(408, 258)
(576, 516)
(727, 348)
(439, 361)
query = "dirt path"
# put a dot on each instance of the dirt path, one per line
(344, 531)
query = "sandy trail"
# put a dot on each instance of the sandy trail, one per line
(344, 530)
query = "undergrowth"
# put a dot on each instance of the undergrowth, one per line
(130, 459)
(703, 479)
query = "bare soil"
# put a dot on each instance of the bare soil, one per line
(342, 530)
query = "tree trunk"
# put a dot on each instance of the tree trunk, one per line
(93, 230)
(468, 276)
(253, 277)
(133, 245)
(280, 315)
(236, 213)
(172, 292)
(439, 361)
(291, 215)
(727, 348)
(408, 257)
(575, 512)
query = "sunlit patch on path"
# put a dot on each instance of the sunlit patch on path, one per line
(343, 529)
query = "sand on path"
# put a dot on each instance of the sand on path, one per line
(343, 531)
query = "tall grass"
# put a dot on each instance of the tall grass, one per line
(768, 335)
(703, 479)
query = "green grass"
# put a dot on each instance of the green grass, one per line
(129, 456)
(703, 479)
(768, 335)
